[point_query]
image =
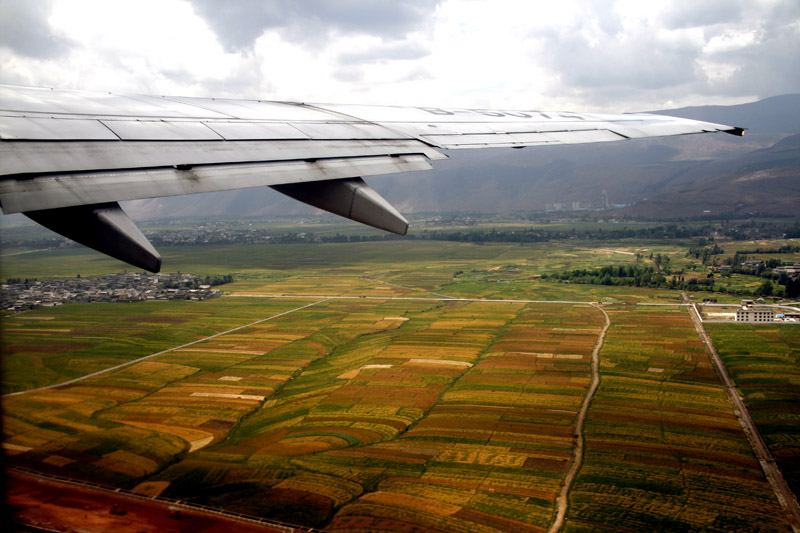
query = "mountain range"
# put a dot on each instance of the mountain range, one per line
(683, 176)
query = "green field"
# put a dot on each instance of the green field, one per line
(376, 403)
(764, 361)
(46, 347)
(664, 449)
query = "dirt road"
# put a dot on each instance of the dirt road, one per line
(577, 452)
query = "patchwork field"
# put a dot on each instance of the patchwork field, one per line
(362, 414)
(664, 450)
(366, 413)
(60, 343)
(764, 361)
(446, 411)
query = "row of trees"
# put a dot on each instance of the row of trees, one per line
(704, 253)
(632, 276)
(652, 277)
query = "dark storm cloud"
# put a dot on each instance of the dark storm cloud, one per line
(24, 29)
(238, 24)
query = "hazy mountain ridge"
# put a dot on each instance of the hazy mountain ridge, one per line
(762, 181)
(770, 115)
(670, 176)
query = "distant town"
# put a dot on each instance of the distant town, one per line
(22, 294)
(544, 226)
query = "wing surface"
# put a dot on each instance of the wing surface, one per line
(71, 156)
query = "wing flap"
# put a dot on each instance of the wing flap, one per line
(637, 130)
(521, 139)
(63, 190)
(48, 129)
(249, 131)
(161, 130)
(34, 158)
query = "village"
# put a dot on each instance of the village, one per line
(23, 294)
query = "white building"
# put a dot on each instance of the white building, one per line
(755, 314)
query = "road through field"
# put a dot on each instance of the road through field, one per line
(204, 339)
(784, 494)
(443, 298)
(577, 453)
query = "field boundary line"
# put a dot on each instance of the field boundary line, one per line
(408, 288)
(577, 452)
(162, 352)
(773, 474)
(411, 298)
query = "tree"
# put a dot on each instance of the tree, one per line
(765, 289)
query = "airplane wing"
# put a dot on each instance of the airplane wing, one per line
(68, 157)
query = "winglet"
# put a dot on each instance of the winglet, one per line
(104, 227)
(739, 132)
(348, 197)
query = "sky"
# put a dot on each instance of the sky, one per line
(583, 55)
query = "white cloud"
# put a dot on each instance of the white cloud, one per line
(730, 41)
(580, 54)
(150, 45)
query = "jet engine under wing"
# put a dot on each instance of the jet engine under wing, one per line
(64, 149)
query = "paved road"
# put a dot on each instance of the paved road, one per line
(577, 452)
(442, 298)
(784, 494)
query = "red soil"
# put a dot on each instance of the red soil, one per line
(57, 506)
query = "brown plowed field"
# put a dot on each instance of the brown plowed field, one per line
(51, 505)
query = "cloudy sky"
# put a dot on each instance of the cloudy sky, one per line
(615, 55)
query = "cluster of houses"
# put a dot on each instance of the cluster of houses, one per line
(792, 271)
(757, 265)
(19, 295)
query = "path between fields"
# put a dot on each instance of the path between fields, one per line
(128, 363)
(773, 474)
(443, 298)
(26, 252)
(412, 289)
(577, 452)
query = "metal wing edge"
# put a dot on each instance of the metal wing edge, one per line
(54, 191)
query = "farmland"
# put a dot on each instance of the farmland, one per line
(769, 379)
(337, 386)
(661, 440)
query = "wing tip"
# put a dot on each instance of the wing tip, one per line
(737, 131)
